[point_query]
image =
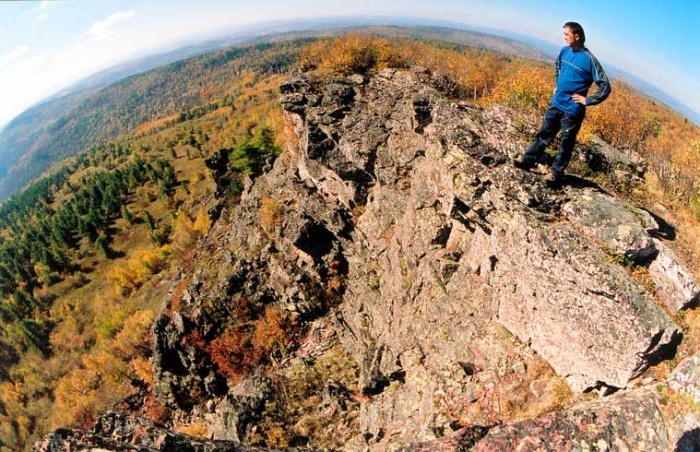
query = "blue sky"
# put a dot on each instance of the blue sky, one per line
(48, 45)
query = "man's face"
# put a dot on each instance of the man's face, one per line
(570, 38)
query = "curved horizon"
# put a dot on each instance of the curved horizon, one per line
(50, 45)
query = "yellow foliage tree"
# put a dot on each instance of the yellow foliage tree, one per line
(526, 88)
(619, 120)
(71, 332)
(183, 230)
(128, 277)
(202, 223)
(134, 337)
(101, 381)
(686, 165)
(355, 53)
(186, 231)
(270, 214)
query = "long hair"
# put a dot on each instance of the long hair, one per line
(576, 29)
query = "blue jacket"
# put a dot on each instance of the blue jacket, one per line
(576, 71)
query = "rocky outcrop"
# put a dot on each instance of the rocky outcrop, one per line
(405, 194)
(449, 275)
(448, 241)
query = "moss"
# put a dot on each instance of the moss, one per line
(616, 257)
(634, 211)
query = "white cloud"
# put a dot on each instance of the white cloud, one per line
(104, 28)
(43, 10)
(22, 83)
(13, 55)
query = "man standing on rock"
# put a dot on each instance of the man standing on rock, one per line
(576, 70)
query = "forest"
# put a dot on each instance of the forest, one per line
(88, 250)
(84, 119)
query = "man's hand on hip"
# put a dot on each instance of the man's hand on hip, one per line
(579, 99)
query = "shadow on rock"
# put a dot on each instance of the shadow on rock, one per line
(665, 230)
(574, 181)
(689, 442)
(660, 354)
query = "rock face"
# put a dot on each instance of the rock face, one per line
(447, 272)
(447, 241)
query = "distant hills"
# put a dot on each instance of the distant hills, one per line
(59, 128)
(271, 32)
(117, 100)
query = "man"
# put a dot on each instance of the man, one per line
(576, 70)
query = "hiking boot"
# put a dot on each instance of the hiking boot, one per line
(552, 179)
(542, 169)
(523, 163)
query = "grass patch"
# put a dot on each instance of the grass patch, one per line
(315, 404)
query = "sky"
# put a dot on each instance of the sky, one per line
(48, 45)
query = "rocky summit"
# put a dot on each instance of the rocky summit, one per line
(473, 298)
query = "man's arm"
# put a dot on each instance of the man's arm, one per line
(601, 80)
(557, 68)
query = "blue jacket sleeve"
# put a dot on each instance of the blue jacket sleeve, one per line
(601, 80)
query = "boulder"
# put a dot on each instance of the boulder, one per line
(237, 413)
(675, 286)
(617, 225)
(684, 432)
(562, 295)
(600, 156)
(686, 377)
(463, 439)
(627, 231)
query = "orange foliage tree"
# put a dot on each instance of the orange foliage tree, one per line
(619, 120)
(457, 70)
(527, 88)
(244, 346)
(686, 165)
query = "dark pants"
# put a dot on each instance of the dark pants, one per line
(554, 121)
